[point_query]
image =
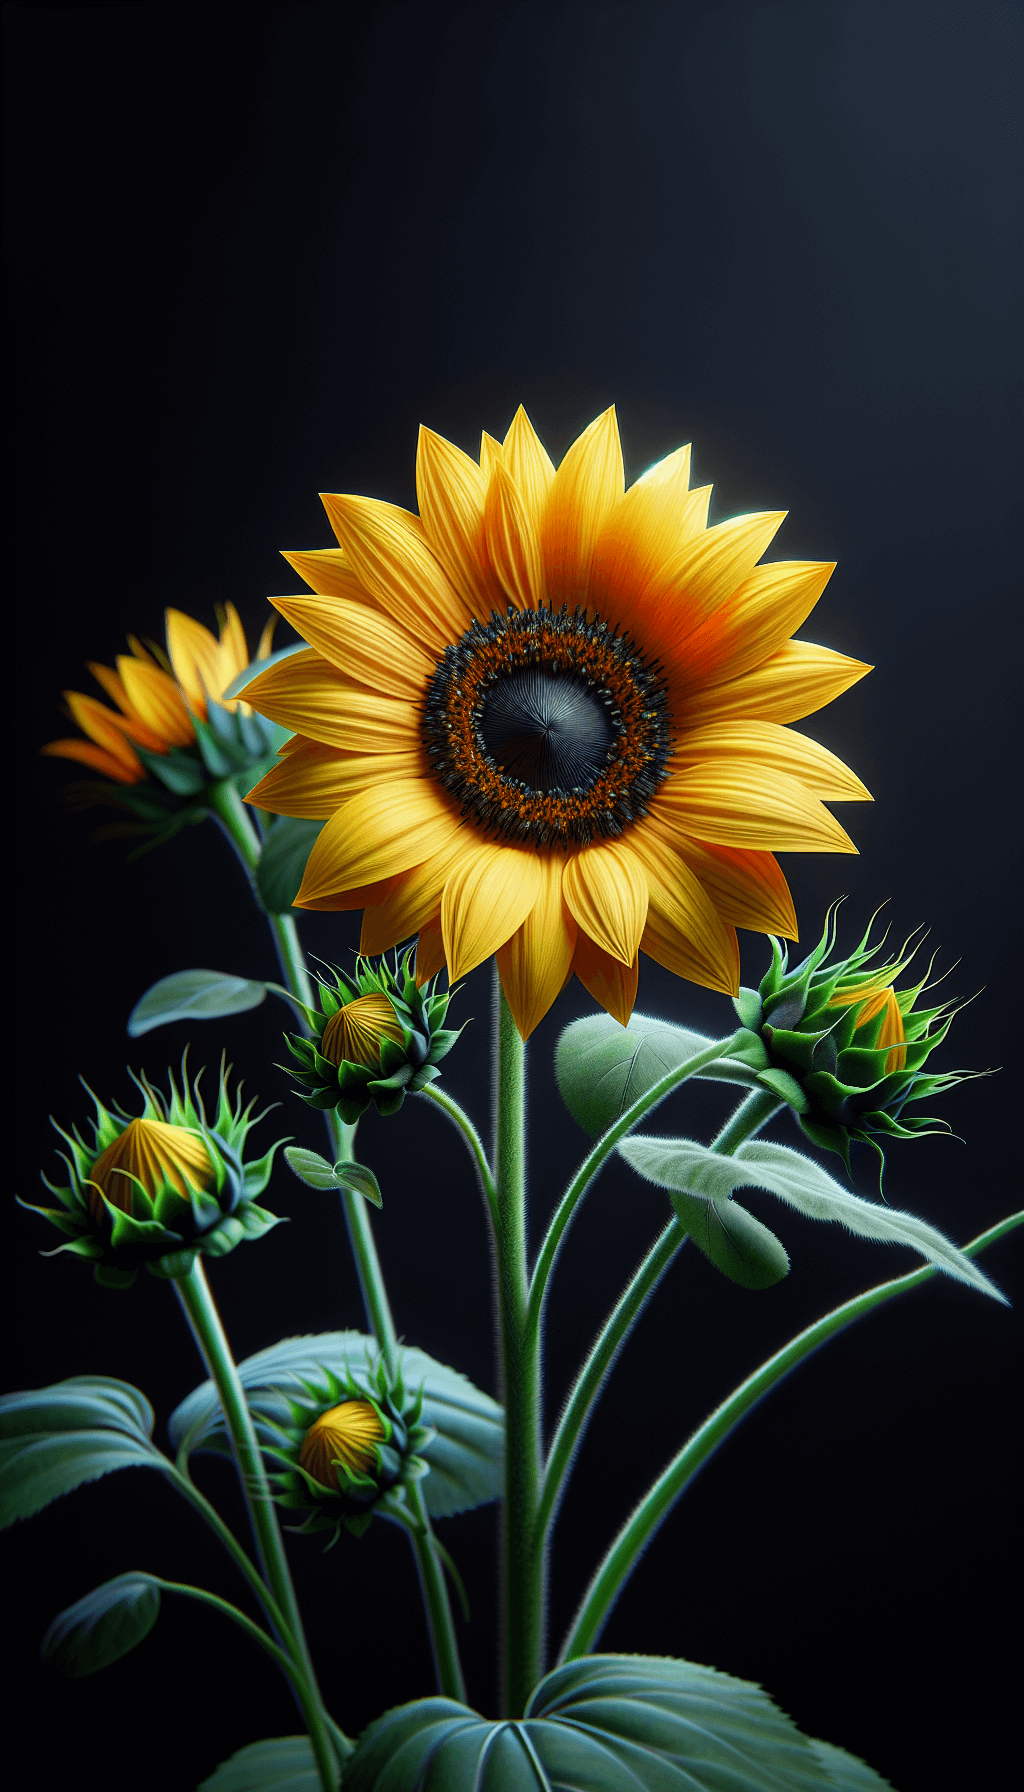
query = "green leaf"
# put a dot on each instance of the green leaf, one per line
(283, 861)
(53, 1439)
(733, 1240)
(285, 1764)
(180, 773)
(845, 1772)
(360, 1181)
(103, 1626)
(466, 1456)
(803, 1184)
(310, 1167)
(601, 1068)
(608, 1723)
(193, 995)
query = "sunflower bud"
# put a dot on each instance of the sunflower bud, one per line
(351, 1445)
(160, 1188)
(845, 1047)
(376, 1038)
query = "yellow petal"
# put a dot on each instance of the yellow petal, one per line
(266, 643)
(512, 543)
(234, 650)
(708, 569)
(429, 951)
(367, 840)
(683, 913)
(587, 487)
(774, 748)
(793, 683)
(490, 451)
(642, 537)
(307, 694)
(610, 983)
(747, 888)
(313, 781)
(328, 572)
(388, 551)
(361, 641)
(156, 700)
(739, 803)
(753, 623)
(195, 656)
(891, 1033)
(535, 962)
(132, 725)
(450, 491)
(407, 902)
(670, 949)
(527, 460)
(117, 765)
(487, 897)
(606, 891)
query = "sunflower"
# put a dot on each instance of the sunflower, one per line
(545, 719)
(158, 695)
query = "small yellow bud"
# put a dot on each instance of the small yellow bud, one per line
(355, 1032)
(879, 998)
(348, 1434)
(154, 1152)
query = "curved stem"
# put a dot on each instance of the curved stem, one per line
(231, 812)
(520, 1371)
(474, 1145)
(182, 1480)
(592, 1163)
(753, 1113)
(641, 1526)
(320, 1735)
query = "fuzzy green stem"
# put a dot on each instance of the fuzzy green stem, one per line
(474, 1145)
(230, 810)
(520, 1371)
(182, 1480)
(193, 1291)
(593, 1161)
(320, 1735)
(748, 1118)
(656, 1504)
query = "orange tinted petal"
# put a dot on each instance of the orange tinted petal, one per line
(195, 656)
(611, 983)
(642, 537)
(606, 892)
(752, 623)
(429, 951)
(155, 699)
(708, 569)
(116, 766)
(587, 487)
(535, 963)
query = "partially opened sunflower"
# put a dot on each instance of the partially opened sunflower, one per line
(545, 719)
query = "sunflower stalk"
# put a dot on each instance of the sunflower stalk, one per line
(231, 812)
(197, 1302)
(655, 1506)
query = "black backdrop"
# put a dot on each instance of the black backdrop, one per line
(250, 248)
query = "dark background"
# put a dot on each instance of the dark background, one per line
(250, 247)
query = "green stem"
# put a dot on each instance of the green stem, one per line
(641, 1526)
(520, 1371)
(320, 1735)
(193, 1291)
(474, 1145)
(749, 1117)
(230, 810)
(182, 1480)
(592, 1163)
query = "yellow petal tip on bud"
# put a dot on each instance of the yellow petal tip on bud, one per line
(348, 1434)
(153, 1153)
(354, 1034)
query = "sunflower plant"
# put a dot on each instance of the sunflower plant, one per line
(543, 723)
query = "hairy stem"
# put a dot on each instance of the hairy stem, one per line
(520, 1371)
(474, 1145)
(656, 1504)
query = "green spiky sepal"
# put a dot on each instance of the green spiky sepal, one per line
(828, 1064)
(405, 1067)
(398, 1458)
(165, 1231)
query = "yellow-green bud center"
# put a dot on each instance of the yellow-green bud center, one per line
(153, 1152)
(348, 1434)
(354, 1034)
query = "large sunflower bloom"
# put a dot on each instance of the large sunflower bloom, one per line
(545, 719)
(157, 694)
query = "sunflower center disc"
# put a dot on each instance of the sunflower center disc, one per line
(549, 730)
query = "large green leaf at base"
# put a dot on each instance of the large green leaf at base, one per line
(608, 1723)
(601, 1068)
(284, 1764)
(466, 1456)
(54, 1439)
